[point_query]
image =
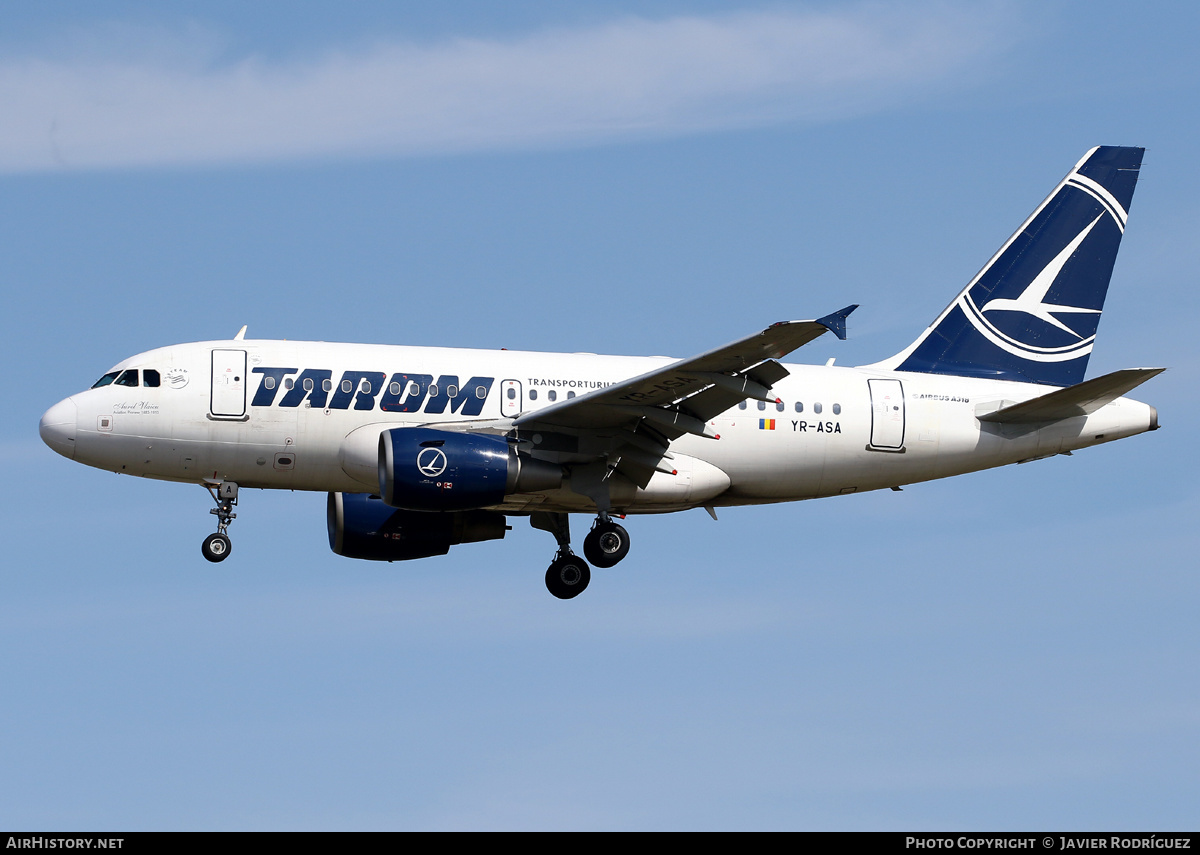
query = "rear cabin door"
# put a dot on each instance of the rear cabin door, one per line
(887, 415)
(228, 384)
(511, 402)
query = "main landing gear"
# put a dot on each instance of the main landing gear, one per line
(568, 575)
(216, 547)
(607, 543)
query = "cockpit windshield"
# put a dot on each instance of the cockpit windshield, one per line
(129, 377)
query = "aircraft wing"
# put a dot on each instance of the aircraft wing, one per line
(681, 397)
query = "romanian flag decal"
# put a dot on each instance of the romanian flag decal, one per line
(766, 424)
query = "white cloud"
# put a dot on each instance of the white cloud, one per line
(631, 78)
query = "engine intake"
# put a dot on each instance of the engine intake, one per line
(422, 469)
(362, 526)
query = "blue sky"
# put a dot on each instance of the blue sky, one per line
(1010, 649)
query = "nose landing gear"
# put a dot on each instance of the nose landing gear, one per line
(216, 547)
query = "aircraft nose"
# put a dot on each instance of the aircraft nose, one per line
(58, 427)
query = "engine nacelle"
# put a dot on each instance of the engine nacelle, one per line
(362, 526)
(422, 469)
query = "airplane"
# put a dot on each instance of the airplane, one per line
(424, 448)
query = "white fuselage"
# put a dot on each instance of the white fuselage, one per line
(212, 418)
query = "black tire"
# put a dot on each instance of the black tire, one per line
(216, 547)
(568, 577)
(606, 544)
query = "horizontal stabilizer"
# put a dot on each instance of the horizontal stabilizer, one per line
(1078, 400)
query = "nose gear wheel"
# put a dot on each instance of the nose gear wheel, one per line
(217, 546)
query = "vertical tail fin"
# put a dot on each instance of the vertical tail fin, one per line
(1031, 313)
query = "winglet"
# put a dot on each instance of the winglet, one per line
(836, 323)
(241, 334)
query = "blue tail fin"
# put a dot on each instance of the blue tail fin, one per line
(1031, 313)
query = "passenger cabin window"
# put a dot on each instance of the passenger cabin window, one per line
(128, 378)
(481, 391)
(307, 384)
(268, 382)
(326, 385)
(837, 409)
(150, 378)
(570, 394)
(394, 389)
(451, 391)
(817, 409)
(762, 405)
(105, 380)
(533, 394)
(289, 383)
(512, 393)
(347, 386)
(779, 406)
(552, 395)
(799, 407)
(742, 405)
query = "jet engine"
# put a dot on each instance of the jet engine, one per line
(362, 526)
(422, 469)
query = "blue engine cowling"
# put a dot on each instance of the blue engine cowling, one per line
(422, 469)
(363, 526)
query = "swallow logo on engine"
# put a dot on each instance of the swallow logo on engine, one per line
(431, 462)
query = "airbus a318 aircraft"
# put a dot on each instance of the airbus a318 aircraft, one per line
(422, 448)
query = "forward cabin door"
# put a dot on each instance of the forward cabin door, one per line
(228, 398)
(887, 415)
